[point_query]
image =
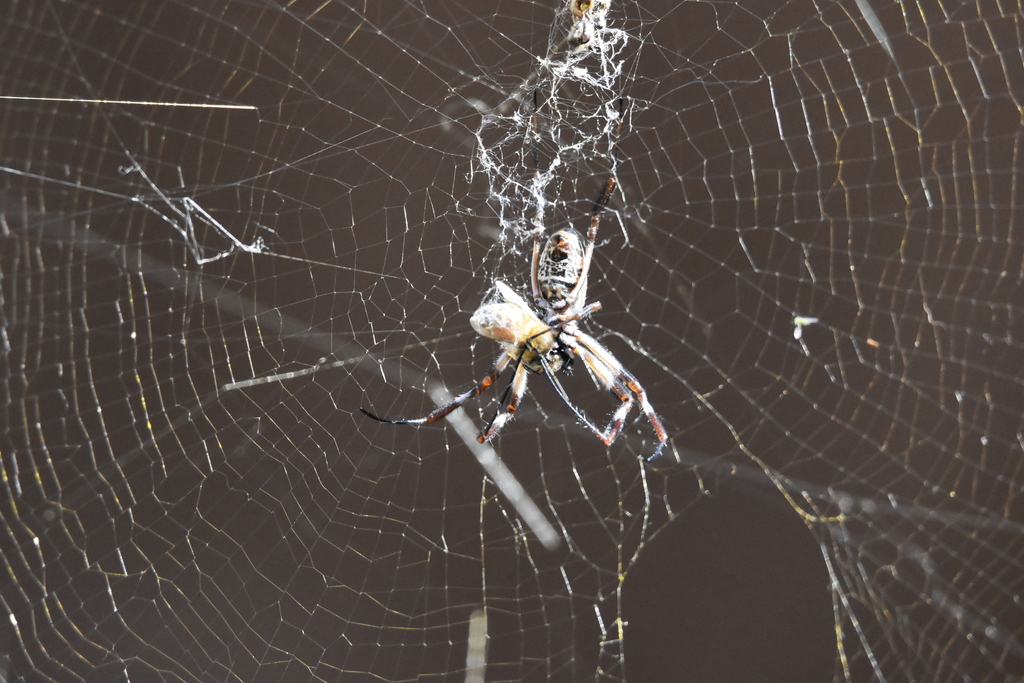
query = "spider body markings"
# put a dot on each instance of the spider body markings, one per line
(558, 269)
(545, 339)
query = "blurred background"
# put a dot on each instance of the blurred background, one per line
(226, 227)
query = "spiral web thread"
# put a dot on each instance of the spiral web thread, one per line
(225, 229)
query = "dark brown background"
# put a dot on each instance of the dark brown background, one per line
(777, 161)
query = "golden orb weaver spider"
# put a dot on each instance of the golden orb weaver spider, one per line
(546, 338)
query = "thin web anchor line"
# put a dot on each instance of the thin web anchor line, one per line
(140, 103)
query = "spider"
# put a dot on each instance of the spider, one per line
(546, 338)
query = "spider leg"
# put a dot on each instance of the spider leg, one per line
(560, 390)
(534, 268)
(599, 206)
(621, 382)
(579, 314)
(516, 389)
(588, 252)
(499, 366)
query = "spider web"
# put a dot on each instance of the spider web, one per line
(812, 262)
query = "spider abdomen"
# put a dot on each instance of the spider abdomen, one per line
(560, 267)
